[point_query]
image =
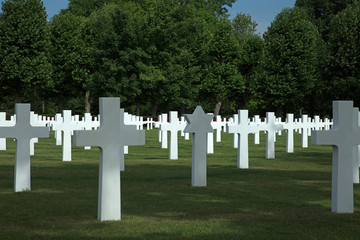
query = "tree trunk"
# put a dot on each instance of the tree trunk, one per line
(43, 106)
(217, 108)
(16, 98)
(34, 100)
(87, 101)
(60, 103)
(182, 109)
(153, 109)
(137, 108)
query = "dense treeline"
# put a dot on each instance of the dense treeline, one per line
(161, 55)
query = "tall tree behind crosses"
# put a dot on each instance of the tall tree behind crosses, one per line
(25, 69)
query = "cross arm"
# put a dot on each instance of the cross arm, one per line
(86, 138)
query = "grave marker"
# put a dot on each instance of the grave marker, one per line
(344, 137)
(270, 127)
(23, 132)
(243, 129)
(199, 124)
(173, 127)
(111, 137)
(67, 126)
(290, 126)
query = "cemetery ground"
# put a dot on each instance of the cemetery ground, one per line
(288, 197)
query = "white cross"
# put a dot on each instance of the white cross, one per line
(173, 127)
(111, 137)
(185, 135)
(305, 129)
(270, 127)
(23, 132)
(164, 139)
(58, 135)
(243, 129)
(4, 123)
(344, 137)
(210, 140)
(199, 124)
(67, 126)
(257, 122)
(234, 122)
(217, 126)
(290, 126)
(317, 124)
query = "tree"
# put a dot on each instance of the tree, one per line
(85, 7)
(344, 49)
(321, 12)
(221, 77)
(251, 51)
(69, 58)
(290, 60)
(25, 69)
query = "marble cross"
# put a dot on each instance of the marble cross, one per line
(173, 127)
(111, 138)
(270, 127)
(257, 122)
(344, 137)
(4, 123)
(23, 132)
(243, 129)
(67, 126)
(199, 124)
(164, 137)
(305, 128)
(217, 126)
(290, 126)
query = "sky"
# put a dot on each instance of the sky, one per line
(263, 12)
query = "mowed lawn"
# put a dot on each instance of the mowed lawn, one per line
(284, 198)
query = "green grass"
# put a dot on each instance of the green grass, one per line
(284, 198)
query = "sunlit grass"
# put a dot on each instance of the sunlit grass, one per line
(284, 198)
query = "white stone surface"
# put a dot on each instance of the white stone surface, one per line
(199, 124)
(67, 126)
(218, 126)
(164, 137)
(111, 137)
(270, 127)
(257, 122)
(290, 126)
(305, 128)
(4, 123)
(243, 129)
(23, 132)
(173, 127)
(344, 137)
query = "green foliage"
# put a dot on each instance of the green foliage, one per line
(321, 12)
(68, 51)
(25, 69)
(290, 61)
(221, 74)
(344, 48)
(251, 52)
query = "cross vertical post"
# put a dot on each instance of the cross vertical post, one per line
(270, 127)
(199, 124)
(243, 129)
(173, 126)
(111, 138)
(23, 132)
(344, 137)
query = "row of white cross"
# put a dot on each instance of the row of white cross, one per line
(241, 127)
(113, 134)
